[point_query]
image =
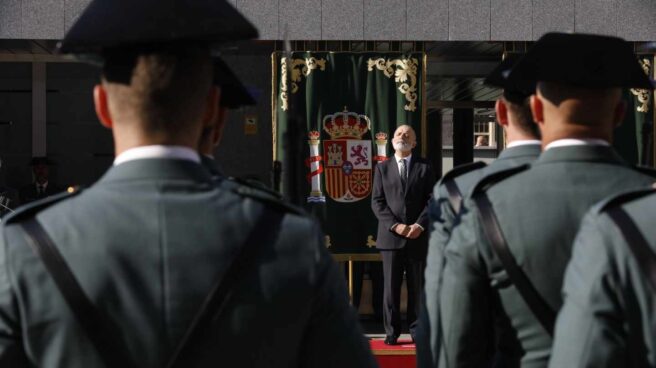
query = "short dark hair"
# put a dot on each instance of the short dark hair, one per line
(165, 88)
(523, 117)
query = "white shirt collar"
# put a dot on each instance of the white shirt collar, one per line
(576, 142)
(157, 151)
(406, 158)
(523, 142)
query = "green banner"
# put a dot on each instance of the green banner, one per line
(634, 138)
(348, 105)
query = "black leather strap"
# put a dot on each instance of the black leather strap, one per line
(455, 197)
(449, 180)
(542, 311)
(264, 232)
(639, 246)
(99, 329)
(104, 335)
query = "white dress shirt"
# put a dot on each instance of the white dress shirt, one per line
(407, 159)
(157, 151)
(576, 142)
(407, 163)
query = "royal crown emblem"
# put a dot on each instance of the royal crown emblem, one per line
(348, 158)
(346, 125)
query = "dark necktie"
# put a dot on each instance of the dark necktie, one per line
(404, 172)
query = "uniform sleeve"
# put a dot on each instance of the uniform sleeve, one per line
(11, 348)
(441, 222)
(334, 337)
(465, 299)
(589, 330)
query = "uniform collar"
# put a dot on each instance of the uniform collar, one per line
(576, 142)
(522, 150)
(157, 169)
(523, 142)
(157, 151)
(581, 153)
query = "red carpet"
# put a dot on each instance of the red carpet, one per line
(394, 356)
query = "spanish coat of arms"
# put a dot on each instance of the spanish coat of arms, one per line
(348, 158)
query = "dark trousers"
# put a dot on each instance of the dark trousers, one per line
(395, 262)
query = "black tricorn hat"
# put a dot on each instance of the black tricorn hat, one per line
(511, 90)
(41, 160)
(107, 24)
(233, 93)
(582, 60)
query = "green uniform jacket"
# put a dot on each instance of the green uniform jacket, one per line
(539, 211)
(609, 314)
(146, 243)
(442, 220)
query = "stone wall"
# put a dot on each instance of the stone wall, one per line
(412, 20)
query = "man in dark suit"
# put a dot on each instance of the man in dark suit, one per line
(41, 187)
(402, 188)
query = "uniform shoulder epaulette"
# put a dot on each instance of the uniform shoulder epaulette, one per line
(462, 169)
(645, 170)
(246, 189)
(623, 198)
(256, 185)
(32, 208)
(487, 181)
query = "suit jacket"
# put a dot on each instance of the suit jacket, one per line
(146, 243)
(391, 204)
(539, 211)
(609, 314)
(29, 194)
(442, 220)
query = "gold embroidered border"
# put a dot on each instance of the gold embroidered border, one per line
(299, 68)
(404, 72)
(643, 94)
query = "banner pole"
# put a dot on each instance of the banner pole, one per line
(350, 280)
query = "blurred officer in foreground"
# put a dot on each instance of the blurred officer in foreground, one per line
(609, 309)
(155, 265)
(524, 146)
(505, 261)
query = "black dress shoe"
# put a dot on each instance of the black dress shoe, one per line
(390, 340)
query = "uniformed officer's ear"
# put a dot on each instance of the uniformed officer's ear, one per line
(211, 106)
(102, 106)
(620, 111)
(502, 112)
(537, 109)
(219, 124)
